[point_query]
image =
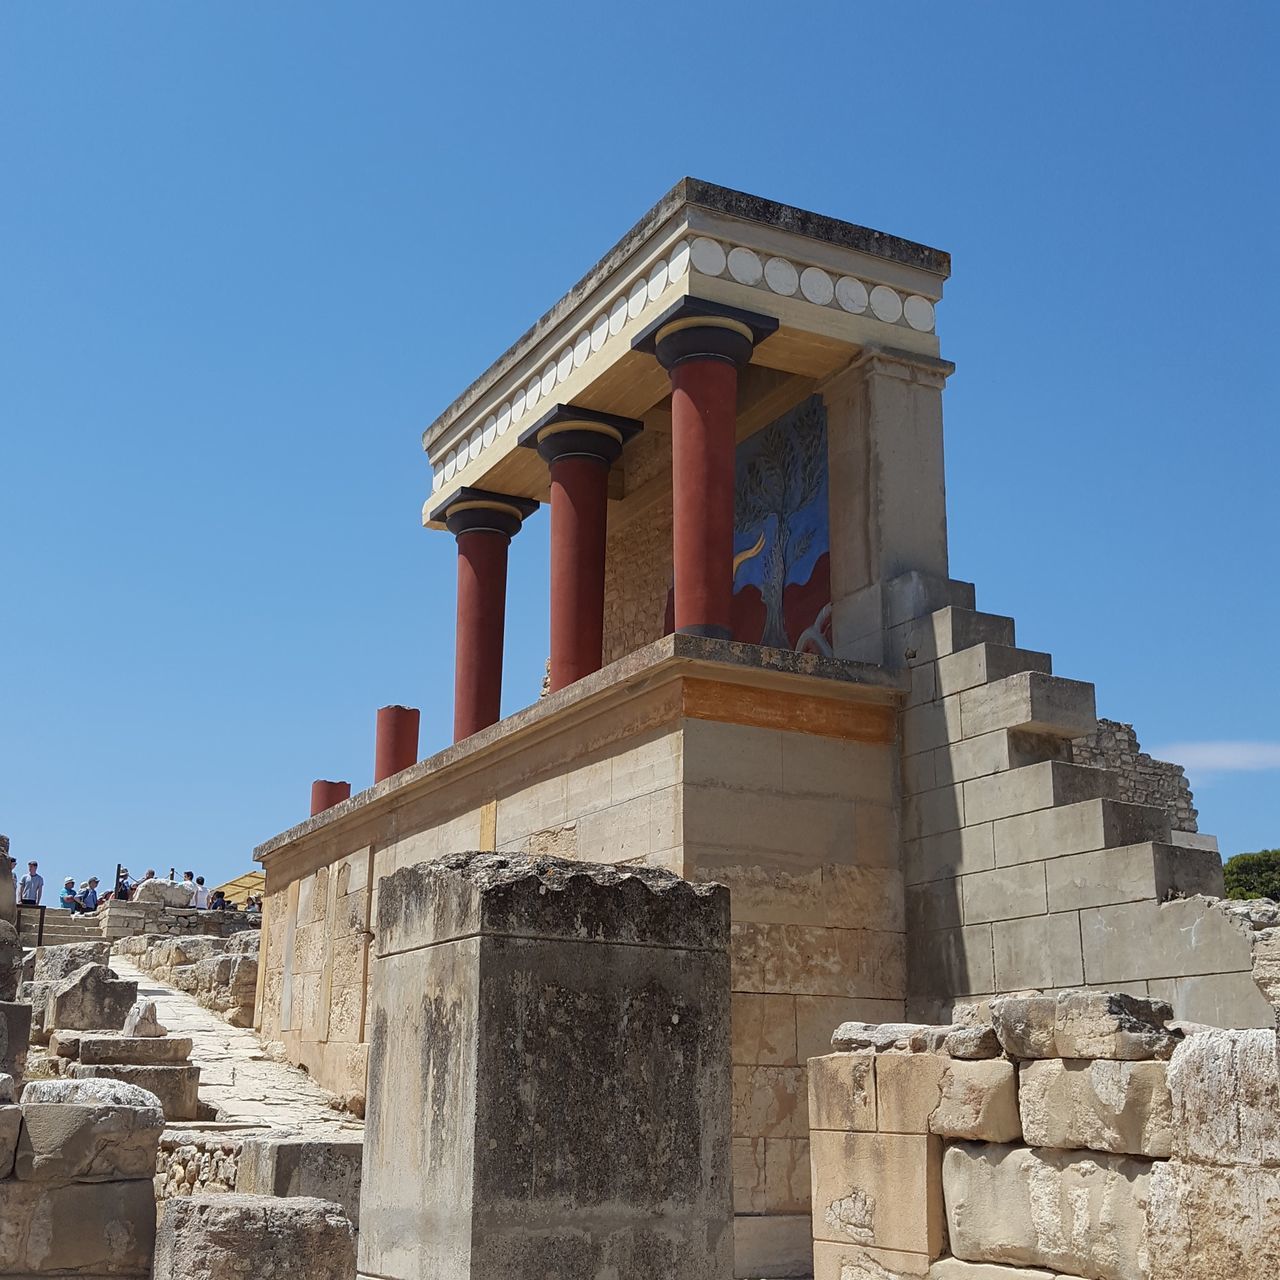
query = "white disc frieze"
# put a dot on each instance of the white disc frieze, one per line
(678, 260)
(450, 464)
(564, 365)
(851, 294)
(886, 304)
(437, 477)
(474, 445)
(919, 312)
(745, 266)
(581, 349)
(781, 276)
(599, 331)
(532, 394)
(549, 379)
(708, 257)
(816, 285)
(504, 419)
(657, 281)
(617, 317)
(490, 433)
(637, 298)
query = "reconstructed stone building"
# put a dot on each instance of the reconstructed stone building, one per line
(762, 674)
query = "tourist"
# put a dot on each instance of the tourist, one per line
(189, 884)
(89, 894)
(219, 901)
(67, 899)
(200, 895)
(253, 906)
(31, 886)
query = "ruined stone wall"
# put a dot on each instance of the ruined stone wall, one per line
(1140, 778)
(1084, 1134)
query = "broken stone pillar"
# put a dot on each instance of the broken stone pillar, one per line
(91, 999)
(15, 1037)
(230, 1236)
(549, 1079)
(324, 1168)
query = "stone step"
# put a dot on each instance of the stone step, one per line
(1132, 873)
(1032, 702)
(1037, 786)
(1077, 828)
(984, 663)
(945, 632)
(996, 752)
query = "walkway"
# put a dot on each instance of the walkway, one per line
(236, 1077)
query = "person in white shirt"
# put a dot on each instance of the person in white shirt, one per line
(200, 897)
(31, 886)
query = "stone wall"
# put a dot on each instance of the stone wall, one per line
(191, 1162)
(132, 919)
(1140, 778)
(220, 973)
(1082, 1133)
(1027, 869)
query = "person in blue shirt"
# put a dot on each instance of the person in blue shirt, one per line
(67, 899)
(89, 894)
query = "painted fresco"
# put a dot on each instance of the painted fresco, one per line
(781, 538)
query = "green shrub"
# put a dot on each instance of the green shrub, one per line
(1253, 875)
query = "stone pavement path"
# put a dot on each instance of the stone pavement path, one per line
(236, 1077)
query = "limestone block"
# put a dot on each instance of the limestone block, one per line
(1265, 956)
(1032, 702)
(1026, 1025)
(8, 1088)
(908, 1087)
(1076, 828)
(15, 1037)
(769, 1101)
(326, 1169)
(133, 1050)
(90, 1229)
(53, 964)
(10, 1127)
(978, 1101)
(849, 1037)
(1121, 1107)
(858, 1262)
(957, 1269)
(950, 853)
(537, 1017)
(996, 752)
(1132, 873)
(973, 1042)
(1057, 1209)
(215, 1237)
(934, 905)
(68, 1142)
(164, 893)
(89, 1092)
(91, 999)
(950, 630)
(1037, 786)
(1004, 894)
(878, 1189)
(1225, 1087)
(985, 663)
(10, 959)
(1038, 951)
(777, 1245)
(143, 1021)
(956, 962)
(1207, 1221)
(177, 1088)
(817, 1015)
(1110, 1024)
(764, 1028)
(842, 1092)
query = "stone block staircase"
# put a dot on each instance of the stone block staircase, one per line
(60, 927)
(1022, 868)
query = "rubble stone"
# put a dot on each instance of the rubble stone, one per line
(1104, 1105)
(1057, 1209)
(68, 1142)
(972, 1042)
(326, 1169)
(53, 964)
(143, 1051)
(143, 1020)
(222, 1237)
(8, 1091)
(978, 1102)
(164, 893)
(91, 999)
(912, 1037)
(10, 961)
(15, 1037)
(10, 1127)
(89, 1092)
(1026, 1025)
(1110, 1024)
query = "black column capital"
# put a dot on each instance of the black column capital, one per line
(568, 431)
(481, 510)
(696, 329)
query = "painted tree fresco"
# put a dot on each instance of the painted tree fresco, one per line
(781, 536)
(782, 563)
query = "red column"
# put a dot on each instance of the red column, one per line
(579, 498)
(325, 794)
(396, 741)
(704, 407)
(482, 609)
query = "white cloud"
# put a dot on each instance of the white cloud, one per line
(1222, 757)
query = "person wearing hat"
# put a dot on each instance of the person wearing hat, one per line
(67, 899)
(89, 894)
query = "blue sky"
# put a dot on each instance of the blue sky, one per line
(247, 252)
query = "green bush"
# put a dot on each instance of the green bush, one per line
(1253, 875)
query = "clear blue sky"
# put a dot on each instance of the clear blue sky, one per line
(247, 252)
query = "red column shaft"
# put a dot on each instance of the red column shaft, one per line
(704, 404)
(579, 502)
(325, 794)
(482, 608)
(396, 741)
